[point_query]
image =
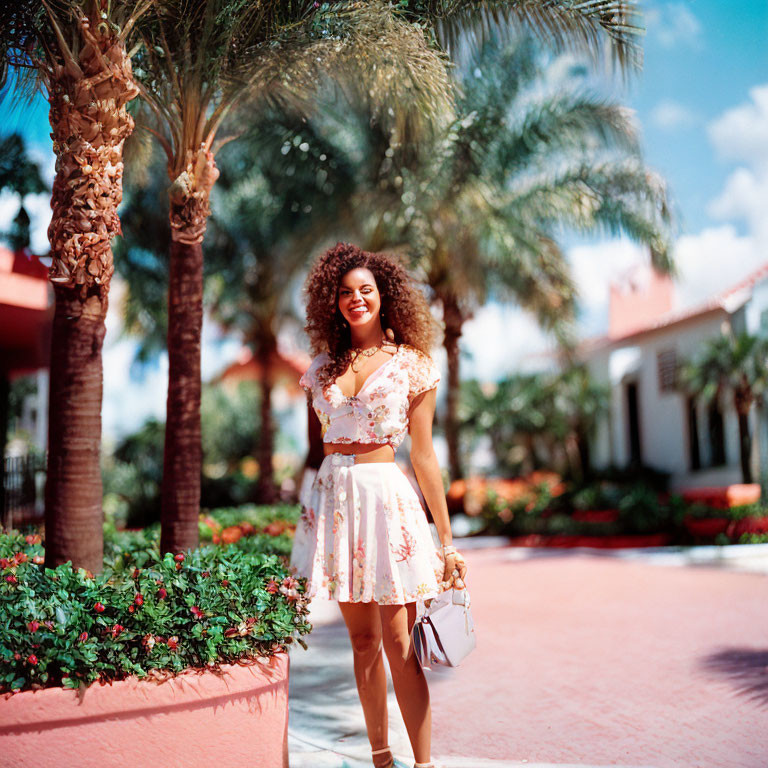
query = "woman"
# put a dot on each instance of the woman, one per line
(363, 538)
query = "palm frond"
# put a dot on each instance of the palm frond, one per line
(602, 29)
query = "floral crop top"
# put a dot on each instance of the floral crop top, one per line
(379, 411)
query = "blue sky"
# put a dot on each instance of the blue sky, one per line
(702, 57)
(702, 105)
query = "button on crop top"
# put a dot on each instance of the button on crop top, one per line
(379, 411)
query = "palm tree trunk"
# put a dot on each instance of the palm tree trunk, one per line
(266, 491)
(90, 122)
(183, 454)
(582, 444)
(73, 513)
(745, 443)
(453, 320)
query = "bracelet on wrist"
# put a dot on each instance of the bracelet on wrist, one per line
(448, 549)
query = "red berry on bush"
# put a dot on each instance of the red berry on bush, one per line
(38, 559)
(139, 599)
(117, 629)
(11, 579)
(179, 558)
(205, 574)
(173, 643)
(224, 583)
(178, 566)
(136, 573)
(98, 607)
(131, 608)
(32, 659)
(82, 637)
(33, 626)
(20, 557)
(162, 593)
(196, 612)
(4, 562)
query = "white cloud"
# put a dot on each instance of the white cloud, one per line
(713, 260)
(741, 134)
(670, 115)
(673, 24)
(744, 198)
(594, 266)
(503, 339)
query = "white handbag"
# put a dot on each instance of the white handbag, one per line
(445, 633)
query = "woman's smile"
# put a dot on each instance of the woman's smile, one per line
(359, 299)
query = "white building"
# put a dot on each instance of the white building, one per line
(650, 422)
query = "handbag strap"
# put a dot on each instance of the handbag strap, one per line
(427, 620)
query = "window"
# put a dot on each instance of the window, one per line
(666, 362)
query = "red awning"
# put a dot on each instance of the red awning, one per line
(26, 312)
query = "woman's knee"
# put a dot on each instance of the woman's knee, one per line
(365, 644)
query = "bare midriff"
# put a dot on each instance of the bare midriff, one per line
(363, 452)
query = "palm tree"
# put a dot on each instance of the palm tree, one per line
(197, 64)
(280, 194)
(734, 363)
(581, 402)
(516, 413)
(76, 51)
(483, 203)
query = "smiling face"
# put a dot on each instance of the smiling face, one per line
(359, 299)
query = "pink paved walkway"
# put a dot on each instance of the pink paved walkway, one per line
(590, 659)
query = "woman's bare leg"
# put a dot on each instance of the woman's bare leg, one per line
(364, 626)
(408, 677)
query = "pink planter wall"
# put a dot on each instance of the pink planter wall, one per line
(208, 720)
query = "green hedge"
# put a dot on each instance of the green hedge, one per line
(201, 608)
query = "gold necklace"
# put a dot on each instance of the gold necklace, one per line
(359, 353)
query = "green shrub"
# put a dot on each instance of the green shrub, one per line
(640, 511)
(703, 511)
(753, 538)
(143, 613)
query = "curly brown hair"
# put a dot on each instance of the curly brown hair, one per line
(404, 308)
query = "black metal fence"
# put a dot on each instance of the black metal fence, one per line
(24, 482)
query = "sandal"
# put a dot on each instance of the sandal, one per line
(391, 764)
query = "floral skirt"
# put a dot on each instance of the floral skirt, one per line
(364, 537)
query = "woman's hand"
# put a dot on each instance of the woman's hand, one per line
(455, 571)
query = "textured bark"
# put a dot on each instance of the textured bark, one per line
(266, 491)
(183, 455)
(453, 320)
(182, 459)
(73, 513)
(90, 123)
